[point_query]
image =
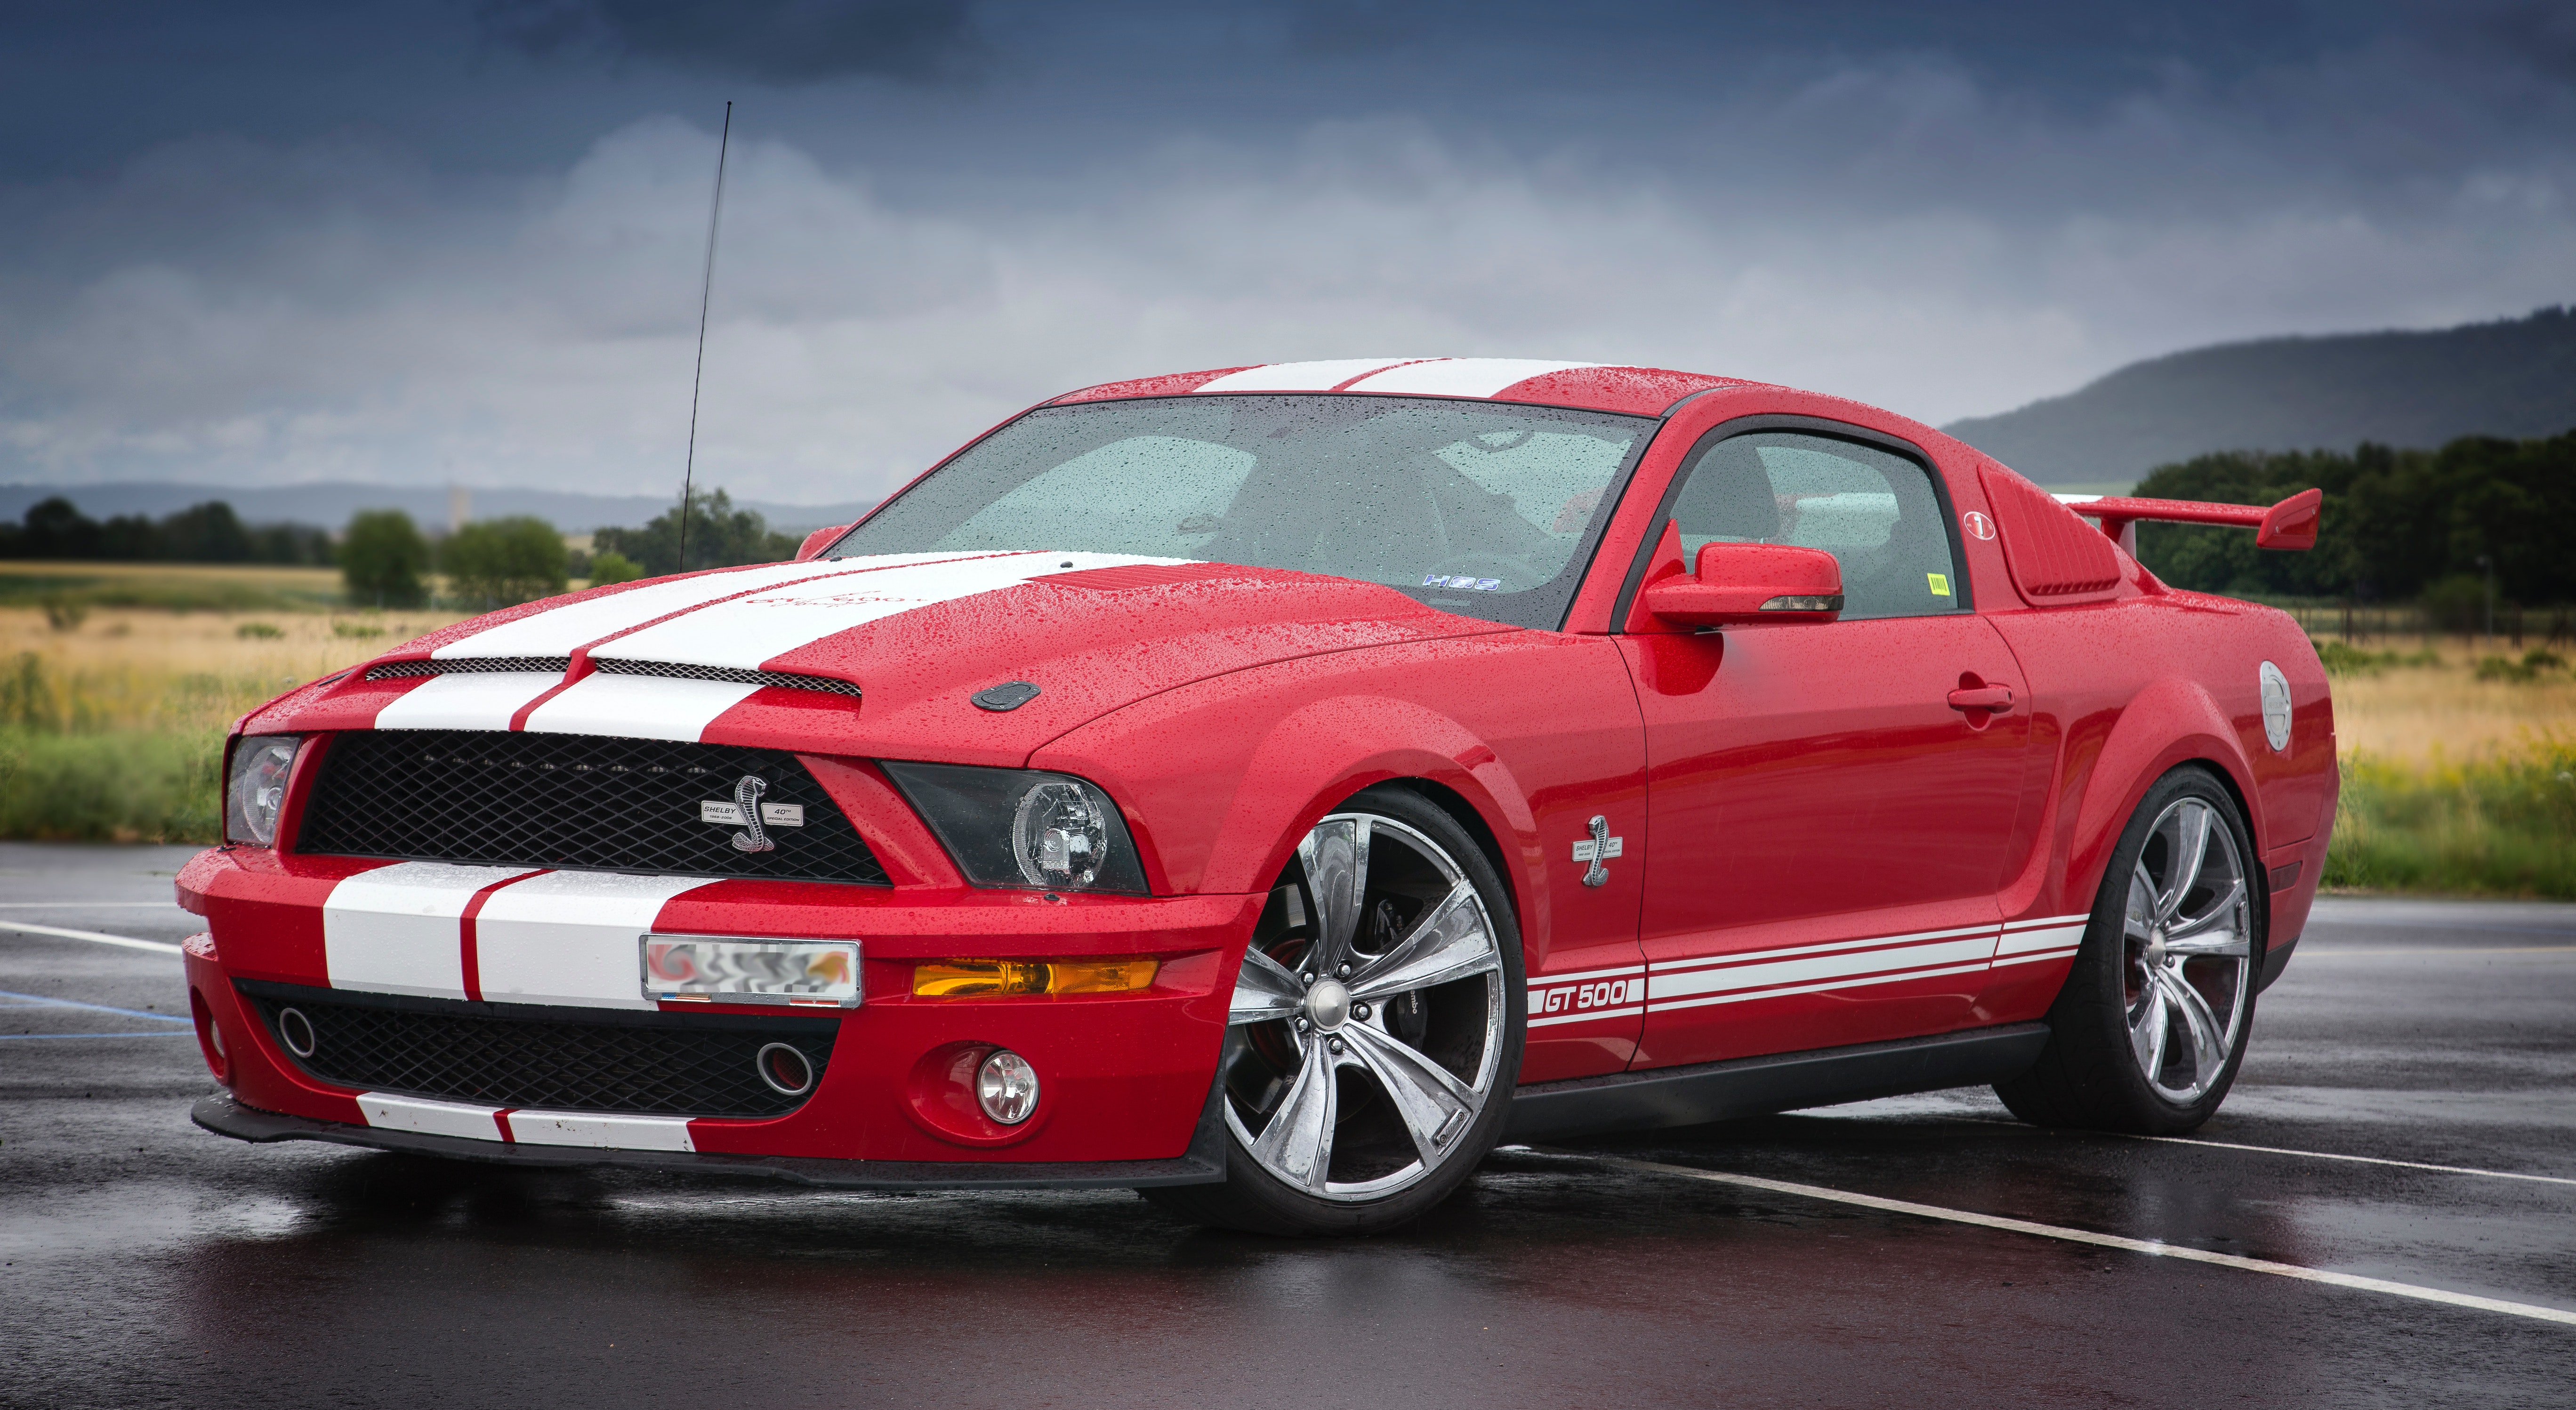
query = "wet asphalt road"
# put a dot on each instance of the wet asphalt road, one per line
(144, 1262)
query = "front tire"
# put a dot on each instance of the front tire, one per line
(1375, 1032)
(2150, 1029)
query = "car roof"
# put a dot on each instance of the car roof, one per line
(1592, 386)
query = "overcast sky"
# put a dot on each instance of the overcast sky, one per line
(258, 243)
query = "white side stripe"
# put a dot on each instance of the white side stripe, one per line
(1663, 967)
(1831, 965)
(1461, 376)
(2055, 937)
(2035, 958)
(1746, 996)
(1972, 952)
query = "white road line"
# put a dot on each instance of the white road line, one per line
(2345, 952)
(2358, 1159)
(2534, 1311)
(56, 931)
(89, 903)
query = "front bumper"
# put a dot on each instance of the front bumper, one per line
(1125, 1078)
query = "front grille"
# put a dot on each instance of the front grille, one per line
(571, 801)
(730, 675)
(543, 1058)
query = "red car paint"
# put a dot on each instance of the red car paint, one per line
(1781, 791)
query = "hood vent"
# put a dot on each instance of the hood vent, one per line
(557, 665)
(463, 665)
(675, 670)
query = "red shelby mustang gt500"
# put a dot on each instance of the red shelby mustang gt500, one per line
(1269, 788)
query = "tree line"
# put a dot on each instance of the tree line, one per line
(201, 533)
(385, 560)
(2398, 525)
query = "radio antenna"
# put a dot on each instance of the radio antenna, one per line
(706, 290)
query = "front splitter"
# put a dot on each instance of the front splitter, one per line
(1202, 1164)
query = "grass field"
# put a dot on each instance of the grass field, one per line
(112, 725)
(112, 720)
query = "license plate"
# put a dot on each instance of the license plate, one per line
(711, 969)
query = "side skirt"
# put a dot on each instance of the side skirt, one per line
(1759, 1086)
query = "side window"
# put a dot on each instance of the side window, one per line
(1872, 509)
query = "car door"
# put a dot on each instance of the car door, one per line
(1827, 827)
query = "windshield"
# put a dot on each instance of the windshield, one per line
(1481, 508)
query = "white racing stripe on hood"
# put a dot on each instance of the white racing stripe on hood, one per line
(748, 632)
(556, 631)
(466, 700)
(1300, 376)
(1461, 376)
(573, 937)
(638, 707)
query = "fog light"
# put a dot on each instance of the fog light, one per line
(1007, 1087)
(959, 979)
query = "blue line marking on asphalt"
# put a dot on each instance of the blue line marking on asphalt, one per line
(12, 1037)
(40, 1001)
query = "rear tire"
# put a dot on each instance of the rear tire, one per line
(1375, 1033)
(2151, 1026)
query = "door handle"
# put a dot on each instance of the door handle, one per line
(1996, 699)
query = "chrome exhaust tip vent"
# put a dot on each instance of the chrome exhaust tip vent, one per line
(785, 1069)
(295, 1031)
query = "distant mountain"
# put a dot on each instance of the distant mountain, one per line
(2512, 378)
(330, 505)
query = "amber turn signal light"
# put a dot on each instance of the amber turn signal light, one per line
(962, 979)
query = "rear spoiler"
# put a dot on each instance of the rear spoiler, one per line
(2290, 525)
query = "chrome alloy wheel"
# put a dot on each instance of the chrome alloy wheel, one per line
(2186, 951)
(1367, 1024)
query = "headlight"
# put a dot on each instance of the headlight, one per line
(1019, 827)
(256, 791)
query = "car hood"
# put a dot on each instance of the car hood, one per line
(878, 657)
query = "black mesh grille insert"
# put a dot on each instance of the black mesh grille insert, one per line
(730, 675)
(568, 800)
(544, 1058)
(557, 665)
(530, 665)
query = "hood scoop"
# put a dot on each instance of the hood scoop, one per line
(558, 665)
(730, 675)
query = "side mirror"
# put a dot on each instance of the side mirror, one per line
(819, 540)
(1740, 583)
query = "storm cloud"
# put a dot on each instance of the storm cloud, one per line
(483, 266)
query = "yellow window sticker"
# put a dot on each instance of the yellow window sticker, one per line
(1940, 584)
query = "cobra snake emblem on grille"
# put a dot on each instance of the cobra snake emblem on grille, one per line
(746, 796)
